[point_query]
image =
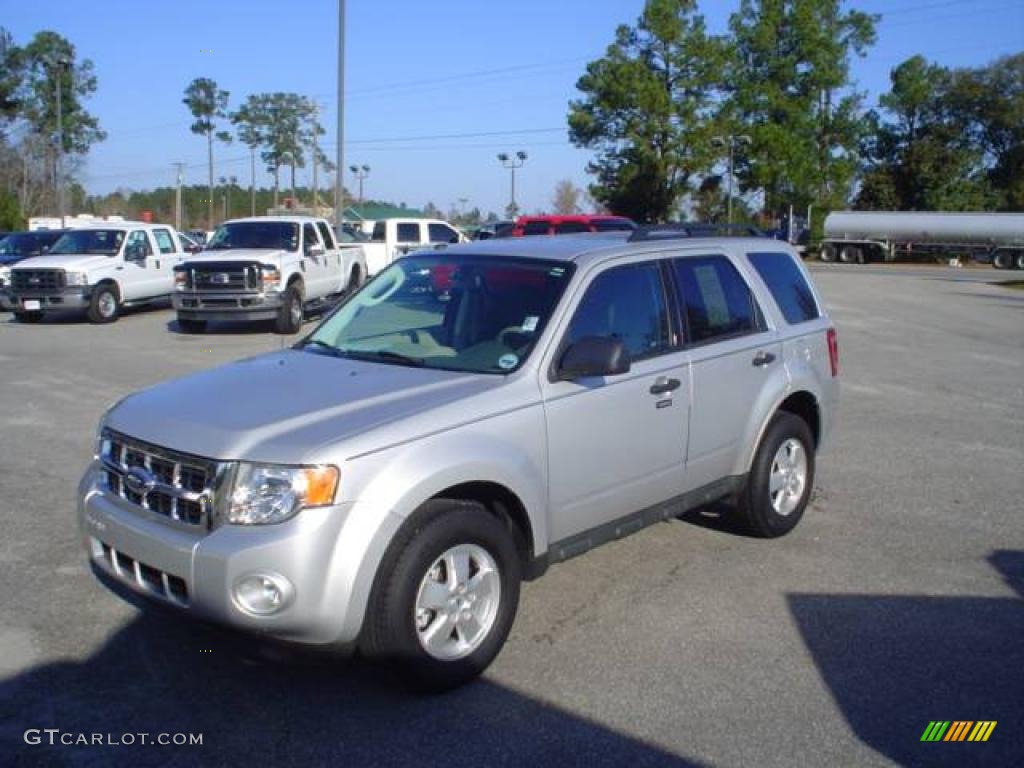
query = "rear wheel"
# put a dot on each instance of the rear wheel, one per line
(28, 317)
(289, 316)
(1018, 262)
(827, 253)
(355, 280)
(105, 305)
(850, 254)
(781, 477)
(1002, 260)
(446, 595)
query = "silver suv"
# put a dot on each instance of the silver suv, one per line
(466, 419)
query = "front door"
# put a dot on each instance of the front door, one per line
(141, 277)
(616, 444)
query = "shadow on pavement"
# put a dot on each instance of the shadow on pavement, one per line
(895, 663)
(160, 674)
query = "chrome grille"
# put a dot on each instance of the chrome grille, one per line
(41, 280)
(175, 485)
(226, 278)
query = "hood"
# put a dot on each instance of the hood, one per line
(81, 261)
(282, 406)
(237, 254)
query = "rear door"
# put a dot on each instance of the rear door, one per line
(141, 277)
(616, 444)
(732, 354)
(169, 253)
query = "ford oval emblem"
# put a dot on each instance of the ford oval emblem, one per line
(139, 481)
(220, 278)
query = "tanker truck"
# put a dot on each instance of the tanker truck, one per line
(859, 237)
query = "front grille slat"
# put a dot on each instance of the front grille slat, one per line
(37, 280)
(226, 277)
(178, 486)
(160, 583)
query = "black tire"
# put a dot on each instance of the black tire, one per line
(191, 326)
(105, 304)
(827, 253)
(28, 317)
(1002, 260)
(1018, 261)
(390, 632)
(850, 254)
(289, 316)
(755, 504)
(355, 280)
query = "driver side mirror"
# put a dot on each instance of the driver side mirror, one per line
(593, 356)
(315, 250)
(134, 253)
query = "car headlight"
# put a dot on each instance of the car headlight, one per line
(264, 494)
(271, 276)
(180, 279)
(76, 278)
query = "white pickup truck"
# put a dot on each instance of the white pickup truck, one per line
(393, 238)
(266, 268)
(100, 268)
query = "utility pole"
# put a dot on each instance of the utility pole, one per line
(252, 182)
(339, 189)
(513, 162)
(179, 169)
(316, 187)
(730, 141)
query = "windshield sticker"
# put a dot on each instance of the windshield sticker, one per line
(557, 271)
(530, 323)
(507, 362)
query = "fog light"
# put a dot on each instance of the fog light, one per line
(263, 594)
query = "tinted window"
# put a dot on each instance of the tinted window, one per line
(627, 303)
(326, 234)
(164, 241)
(571, 228)
(379, 232)
(718, 303)
(614, 225)
(138, 245)
(787, 285)
(536, 228)
(439, 233)
(309, 237)
(408, 233)
(275, 235)
(91, 241)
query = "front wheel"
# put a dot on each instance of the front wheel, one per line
(289, 316)
(1002, 260)
(446, 596)
(781, 477)
(105, 305)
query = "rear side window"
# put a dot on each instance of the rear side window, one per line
(164, 241)
(613, 225)
(717, 302)
(440, 233)
(787, 285)
(536, 228)
(627, 303)
(378, 232)
(571, 228)
(408, 233)
(309, 238)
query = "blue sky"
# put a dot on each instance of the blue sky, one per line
(498, 76)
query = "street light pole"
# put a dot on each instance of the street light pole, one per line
(360, 172)
(512, 162)
(179, 168)
(730, 141)
(339, 186)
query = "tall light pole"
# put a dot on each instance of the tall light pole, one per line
(339, 186)
(360, 172)
(730, 141)
(179, 170)
(58, 164)
(512, 162)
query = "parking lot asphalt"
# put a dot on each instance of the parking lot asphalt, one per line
(899, 600)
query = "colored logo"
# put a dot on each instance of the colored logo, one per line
(958, 730)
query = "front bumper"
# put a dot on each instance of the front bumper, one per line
(77, 297)
(328, 556)
(225, 306)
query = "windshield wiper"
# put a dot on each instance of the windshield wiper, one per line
(383, 356)
(321, 345)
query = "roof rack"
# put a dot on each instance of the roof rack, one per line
(679, 230)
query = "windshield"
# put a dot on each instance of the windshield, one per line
(21, 246)
(434, 310)
(93, 241)
(272, 235)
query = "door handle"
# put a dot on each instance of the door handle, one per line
(763, 358)
(663, 385)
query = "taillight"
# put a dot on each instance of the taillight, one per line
(833, 350)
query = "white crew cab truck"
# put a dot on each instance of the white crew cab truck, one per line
(266, 268)
(391, 239)
(100, 268)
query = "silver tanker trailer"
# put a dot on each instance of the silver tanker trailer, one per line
(858, 237)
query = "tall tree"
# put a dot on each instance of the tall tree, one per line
(45, 65)
(792, 94)
(250, 127)
(208, 104)
(10, 78)
(567, 198)
(647, 110)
